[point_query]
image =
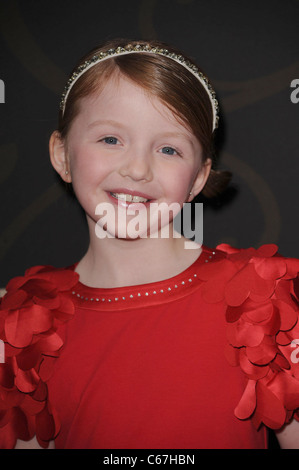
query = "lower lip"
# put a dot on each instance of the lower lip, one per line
(126, 205)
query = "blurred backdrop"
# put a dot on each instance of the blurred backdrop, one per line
(249, 50)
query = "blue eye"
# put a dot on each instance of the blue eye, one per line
(169, 151)
(110, 140)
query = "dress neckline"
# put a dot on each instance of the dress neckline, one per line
(148, 294)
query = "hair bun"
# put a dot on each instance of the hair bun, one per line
(217, 182)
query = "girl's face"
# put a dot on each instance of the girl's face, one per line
(125, 144)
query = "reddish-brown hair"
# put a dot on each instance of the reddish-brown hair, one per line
(161, 77)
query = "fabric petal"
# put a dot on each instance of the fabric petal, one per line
(262, 324)
(264, 353)
(26, 381)
(13, 300)
(247, 404)
(244, 334)
(34, 306)
(270, 409)
(252, 371)
(22, 324)
(288, 317)
(270, 268)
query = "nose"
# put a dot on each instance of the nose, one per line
(137, 165)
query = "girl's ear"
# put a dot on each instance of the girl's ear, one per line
(58, 156)
(200, 179)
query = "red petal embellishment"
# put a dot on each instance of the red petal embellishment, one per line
(28, 357)
(270, 409)
(238, 288)
(33, 308)
(26, 381)
(261, 289)
(262, 314)
(45, 426)
(233, 314)
(5, 416)
(13, 299)
(37, 269)
(232, 355)
(50, 344)
(257, 313)
(247, 403)
(282, 338)
(40, 288)
(12, 398)
(292, 267)
(270, 268)
(41, 392)
(32, 406)
(21, 324)
(280, 363)
(49, 302)
(65, 279)
(20, 422)
(252, 371)
(16, 283)
(6, 376)
(288, 316)
(286, 388)
(271, 326)
(296, 287)
(16, 329)
(227, 248)
(46, 368)
(244, 334)
(266, 251)
(66, 309)
(264, 353)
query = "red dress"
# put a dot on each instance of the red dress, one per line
(203, 360)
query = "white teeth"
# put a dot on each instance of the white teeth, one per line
(129, 197)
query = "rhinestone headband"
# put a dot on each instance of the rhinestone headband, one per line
(130, 49)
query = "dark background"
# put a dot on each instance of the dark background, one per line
(249, 50)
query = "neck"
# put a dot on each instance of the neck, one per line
(113, 262)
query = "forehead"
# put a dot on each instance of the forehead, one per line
(121, 97)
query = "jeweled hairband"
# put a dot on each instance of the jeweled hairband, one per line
(142, 48)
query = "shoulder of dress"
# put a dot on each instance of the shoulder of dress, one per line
(60, 277)
(264, 261)
(234, 274)
(260, 291)
(32, 309)
(37, 281)
(34, 301)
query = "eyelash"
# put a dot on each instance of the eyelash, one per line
(166, 147)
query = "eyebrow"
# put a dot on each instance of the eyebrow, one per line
(176, 134)
(105, 121)
(119, 124)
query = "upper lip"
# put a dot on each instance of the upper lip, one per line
(129, 191)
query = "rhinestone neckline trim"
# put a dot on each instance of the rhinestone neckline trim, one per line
(136, 294)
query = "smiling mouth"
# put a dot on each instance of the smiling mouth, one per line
(128, 197)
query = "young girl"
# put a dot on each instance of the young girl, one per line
(149, 341)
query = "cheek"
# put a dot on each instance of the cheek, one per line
(88, 167)
(179, 183)
(86, 180)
